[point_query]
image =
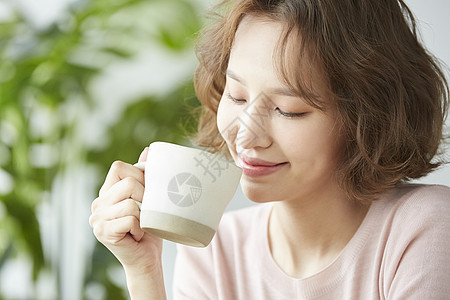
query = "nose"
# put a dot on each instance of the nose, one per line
(254, 125)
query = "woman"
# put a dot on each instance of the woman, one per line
(329, 107)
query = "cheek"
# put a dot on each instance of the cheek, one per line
(313, 142)
(226, 122)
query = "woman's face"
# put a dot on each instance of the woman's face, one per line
(286, 148)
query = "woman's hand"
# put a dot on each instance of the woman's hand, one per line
(115, 222)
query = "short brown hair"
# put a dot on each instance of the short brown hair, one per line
(390, 94)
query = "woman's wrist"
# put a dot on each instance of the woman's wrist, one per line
(145, 282)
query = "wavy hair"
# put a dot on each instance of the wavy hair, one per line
(390, 95)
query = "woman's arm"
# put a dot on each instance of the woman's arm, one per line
(115, 222)
(146, 283)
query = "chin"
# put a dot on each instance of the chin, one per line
(258, 193)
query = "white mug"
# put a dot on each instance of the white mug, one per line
(186, 192)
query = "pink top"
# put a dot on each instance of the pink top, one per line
(400, 251)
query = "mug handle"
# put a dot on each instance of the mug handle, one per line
(140, 165)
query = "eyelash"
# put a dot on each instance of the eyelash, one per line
(282, 113)
(289, 115)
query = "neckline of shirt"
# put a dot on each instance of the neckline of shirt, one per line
(325, 280)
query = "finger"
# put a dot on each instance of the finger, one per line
(127, 188)
(118, 171)
(122, 209)
(127, 207)
(114, 231)
(143, 156)
(142, 159)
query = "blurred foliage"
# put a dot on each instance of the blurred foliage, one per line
(43, 72)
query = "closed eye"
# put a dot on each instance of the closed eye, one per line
(236, 100)
(277, 109)
(289, 114)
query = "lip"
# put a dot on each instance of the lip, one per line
(255, 167)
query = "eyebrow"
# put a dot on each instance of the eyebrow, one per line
(236, 77)
(273, 91)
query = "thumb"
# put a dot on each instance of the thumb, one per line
(143, 156)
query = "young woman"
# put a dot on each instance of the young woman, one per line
(329, 107)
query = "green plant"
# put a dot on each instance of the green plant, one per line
(45, 92)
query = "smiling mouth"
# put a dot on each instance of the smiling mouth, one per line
(256, 168)
(257, 161)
